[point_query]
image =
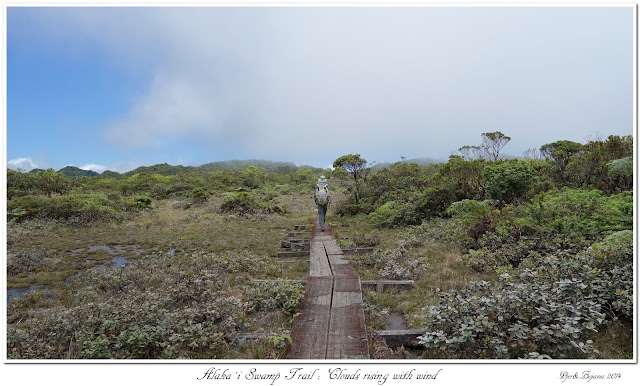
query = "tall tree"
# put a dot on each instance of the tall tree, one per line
(560, 153)
(492, 143)
(356, 166)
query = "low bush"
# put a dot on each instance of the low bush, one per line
(547, 310)
(242, 203)
(28, 261)
(165, 306)
(395, 264)
(366, 239)
(275, 295)
(562, 221)
(200, 195)
(273, 208)
(141, 202)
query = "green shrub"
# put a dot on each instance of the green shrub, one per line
(273, 208)
(508, 180)
(275, 295)
(385, 216)
(142, 202)
(32, 205)
(565, 221)
(366, 239)
(615, 250)
(577, 214)
(240, 203)
(81, 207)
(200, 195)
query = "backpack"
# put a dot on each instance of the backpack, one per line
(322, 194)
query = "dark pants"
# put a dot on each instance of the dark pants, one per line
(322, 215)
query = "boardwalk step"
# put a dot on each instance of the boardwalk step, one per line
(393, 338)
(331, 324)
(397, 338)
(378, 284)
(294, 244)
(261, 281)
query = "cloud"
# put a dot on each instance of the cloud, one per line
(22, 163)
(94, 167)
(311, 84)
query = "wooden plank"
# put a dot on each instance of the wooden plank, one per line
(374, 283)
(381, 284)
(331, 322)
(261, 281)
(347, 332)
(397, 338)
(294, 244)
(309, 333)
(318, 262)
(332, 246)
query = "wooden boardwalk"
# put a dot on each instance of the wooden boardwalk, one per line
(331, 321)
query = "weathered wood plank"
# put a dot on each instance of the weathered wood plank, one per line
(318, 262)
(332, 246)
(347, 330)
(374, 283)
(261, 281)
(309, 334)
(381, 284)
(397, 338)
(331, 324)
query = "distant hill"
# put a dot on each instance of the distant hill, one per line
(270, 166)
(109, 173)
(163, 169)
(419, 161)
(72, 171)
(233, 165)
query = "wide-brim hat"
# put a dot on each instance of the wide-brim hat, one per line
(322, 179)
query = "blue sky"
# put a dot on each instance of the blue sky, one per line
(120, 87)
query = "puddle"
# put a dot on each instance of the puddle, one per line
(19, 293)
(119, 249)
(395, 322)
(117, 262)
(105, 248)
(407, 354)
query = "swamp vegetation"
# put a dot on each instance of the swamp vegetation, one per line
(511, 258)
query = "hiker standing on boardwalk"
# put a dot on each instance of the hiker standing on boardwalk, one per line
(322, 196)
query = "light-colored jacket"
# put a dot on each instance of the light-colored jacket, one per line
(319, 186)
